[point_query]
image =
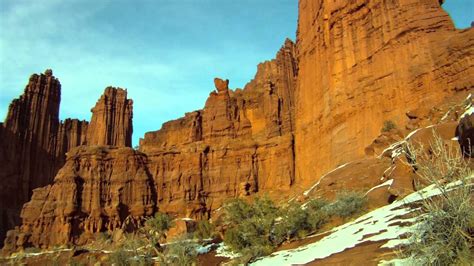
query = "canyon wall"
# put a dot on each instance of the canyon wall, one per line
(319, 104)
(363, 62)
(240, 143)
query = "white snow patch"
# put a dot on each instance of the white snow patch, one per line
(386, 183)
(393, 147)
(385, 223)
(205, 249)
(321, 178)
(33, 254)
(468, 111)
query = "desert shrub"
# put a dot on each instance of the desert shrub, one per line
(298, 221)
(159, 224)
(181, 252)
(250, 231)
(204, 230)
(155, 228)
(119, 257)
(132, 251)
(444, 234)
(388, 125)
(317, 212)
(346, 204)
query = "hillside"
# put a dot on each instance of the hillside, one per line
(332, 112)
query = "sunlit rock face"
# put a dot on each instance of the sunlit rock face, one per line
(239, 144)
(363, 62)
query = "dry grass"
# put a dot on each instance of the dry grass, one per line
(445, 231)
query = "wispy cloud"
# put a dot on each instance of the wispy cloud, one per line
(166, 53)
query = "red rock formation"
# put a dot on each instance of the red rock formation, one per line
(111, 122)
(363, 62)
(99, 188)
(239, 144)
(28, 145)
(359, 63)
(71, 133)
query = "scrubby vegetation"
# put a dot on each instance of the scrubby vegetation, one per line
(347, 204)
(204, 230)
(183, 251)
(138, 248)
(388, 125)
(445, 232)
(256, 229)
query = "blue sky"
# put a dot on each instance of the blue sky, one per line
(165, 52)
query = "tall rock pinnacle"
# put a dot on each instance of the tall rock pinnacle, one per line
(111, 122)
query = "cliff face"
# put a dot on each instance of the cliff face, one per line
(319, 104)
(34, 142)
(363, 62)
(111, 122)
(239, 144)
(98, 189)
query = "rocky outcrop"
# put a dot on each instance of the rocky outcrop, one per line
(363, 62)
(71, 133)
(465, 134)
(34, 142)
(99, 189)
(111, 122)
(28, 145)
(239, 144)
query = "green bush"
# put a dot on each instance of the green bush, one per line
(251, 227)
(346, 204)
(155, 228)
(119, 257)
(180, 252)
(204, 230)
(388, 125)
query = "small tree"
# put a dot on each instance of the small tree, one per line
(155, 229)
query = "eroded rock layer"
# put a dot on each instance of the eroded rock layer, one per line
(366, 61)
(34, 142)
(239, 144)
(100, 188)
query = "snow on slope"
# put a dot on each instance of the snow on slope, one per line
(387, 223)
